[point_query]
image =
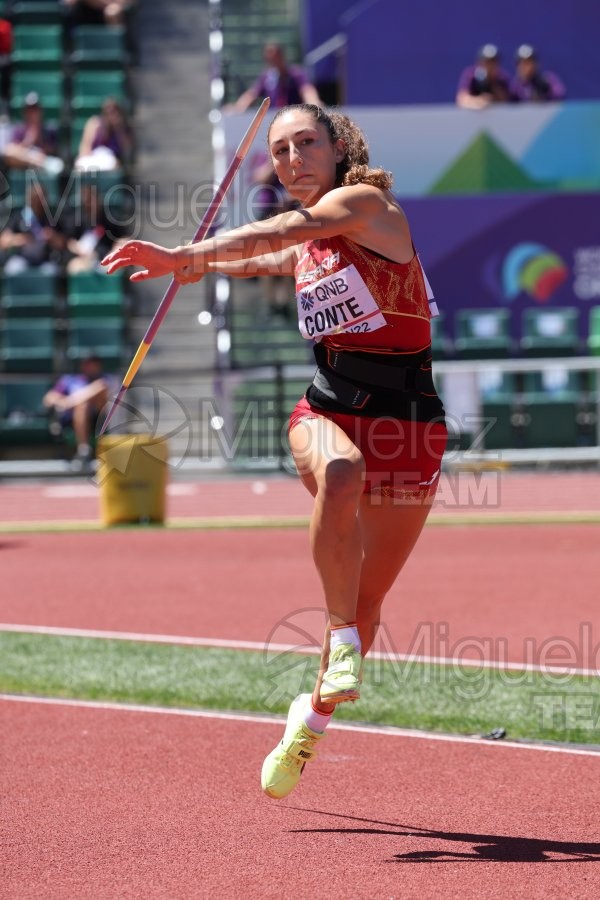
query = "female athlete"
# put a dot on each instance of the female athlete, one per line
(369, 435)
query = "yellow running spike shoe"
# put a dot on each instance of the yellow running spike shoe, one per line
(283, 766)
(342, 679)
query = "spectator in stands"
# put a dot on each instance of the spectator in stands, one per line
(93, 234)
(98, 12)
(76, 401)
(530, 84)
(31, 237)
(33, 144)
(485, 82)
(284, 84)
(107, 139)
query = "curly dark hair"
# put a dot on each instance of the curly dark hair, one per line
(354, 168)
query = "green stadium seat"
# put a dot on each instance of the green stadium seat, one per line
(277, 344)
(499, 409)
(20, 179)
(593, 340)
(27, 345)
(551, 404)
(550, 332)
(98, 46)
(261, 410)
(37, 12)
(482, 333)
(102, 336)
(91, 88)
(114, 187)
(94, 295)
(23, 418)
(37, 45)
(46, 82)
(30, 293)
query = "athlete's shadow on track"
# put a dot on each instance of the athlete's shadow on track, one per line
(484, 847)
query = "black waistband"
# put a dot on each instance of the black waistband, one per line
(408, 372)
(375, 384)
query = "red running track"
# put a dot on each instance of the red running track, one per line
(499, 591)
(105, 804)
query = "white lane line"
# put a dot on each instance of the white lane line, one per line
(279, 720)
(73, 491)
(269, 647)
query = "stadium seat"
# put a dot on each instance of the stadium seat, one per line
(37, 45)
(252, 346)
(46, 82)
(31, 293)
(92, 87)
(102, 336)
(550, 332)
(37, 12)
(99, 46)
(94, 295)
(500, 409)
(20, 179)
(261, 408)
(551, 405)
(593, 340)
(23, 418)
(482, 333)
(27, 345)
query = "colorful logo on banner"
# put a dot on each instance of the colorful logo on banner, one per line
(533, 269)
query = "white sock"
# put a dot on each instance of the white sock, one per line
(344, 634)
(315, 719)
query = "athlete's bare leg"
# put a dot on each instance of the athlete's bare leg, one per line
(332, 469)
(379, 532)
(389, 532)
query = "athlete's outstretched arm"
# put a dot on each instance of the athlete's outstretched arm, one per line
(282, 263)
(356, 211)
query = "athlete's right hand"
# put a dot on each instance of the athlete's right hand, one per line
(155, 261)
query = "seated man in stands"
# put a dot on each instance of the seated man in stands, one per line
(77, 400)
(485, 82)
(530, 84)
(32, 238)
(33, 144)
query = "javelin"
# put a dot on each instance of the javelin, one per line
(171, 291)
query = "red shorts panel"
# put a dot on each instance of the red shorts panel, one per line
(403, 458)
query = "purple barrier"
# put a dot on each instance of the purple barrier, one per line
(516, 251)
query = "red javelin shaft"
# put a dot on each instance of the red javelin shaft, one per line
(200, 234)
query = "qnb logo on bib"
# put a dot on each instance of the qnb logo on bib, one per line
(337, 303)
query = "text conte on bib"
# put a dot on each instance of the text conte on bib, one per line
(340, 302)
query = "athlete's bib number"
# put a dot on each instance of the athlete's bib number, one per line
(340, 302)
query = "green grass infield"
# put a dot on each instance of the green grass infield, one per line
(457, 699)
